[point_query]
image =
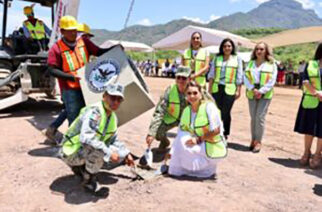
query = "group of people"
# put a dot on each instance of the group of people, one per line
(202, 115)
(288, 75)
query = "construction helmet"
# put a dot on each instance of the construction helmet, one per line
(68, 23)
(84, 28)
(28, 10)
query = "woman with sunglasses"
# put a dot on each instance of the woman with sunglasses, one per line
(199, 143)
(225, 79)
(260, 77)
(197, 59)
(309, 116)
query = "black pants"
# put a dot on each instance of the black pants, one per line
(225, 104)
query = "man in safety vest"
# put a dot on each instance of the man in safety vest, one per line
(169, 109)
(36, 32)
(65, 57)
(92, 138)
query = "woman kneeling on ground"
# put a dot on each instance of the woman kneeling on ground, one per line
(199, 144)
(309, 116)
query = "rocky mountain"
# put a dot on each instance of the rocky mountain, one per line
(274, 13)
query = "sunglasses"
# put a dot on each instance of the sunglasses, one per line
(116, 98)
(181, 78)
(192, 93)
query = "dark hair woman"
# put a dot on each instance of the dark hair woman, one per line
(309, 116)
(197, 58)
(225, 79)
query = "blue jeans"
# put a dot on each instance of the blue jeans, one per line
(74, 102)
(60, 119)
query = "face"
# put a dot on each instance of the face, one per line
(227, 48)
(193, 95)
(69, 35)
(260, 51)
(196, 40)
(113, 102)
(182, 82)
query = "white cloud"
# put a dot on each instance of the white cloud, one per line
(145, 22)
(212, 17)
(307, 4)
(261, 1)
(320, 3)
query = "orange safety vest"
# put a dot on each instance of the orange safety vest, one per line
(73, 59)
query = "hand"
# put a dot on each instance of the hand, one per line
(115, 158)
(192, 76)
(191, 142)
(77, 78)
(237, 94)
(149, 140)
(257, 94)
(319, 95)
(129, 160)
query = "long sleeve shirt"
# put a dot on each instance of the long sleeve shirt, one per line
(256, 74)
(212, 72)
(161, 110)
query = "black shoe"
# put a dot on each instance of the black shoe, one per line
(90, 182)
(78, 170)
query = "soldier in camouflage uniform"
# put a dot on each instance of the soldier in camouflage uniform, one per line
(92, 138)
(169, 109)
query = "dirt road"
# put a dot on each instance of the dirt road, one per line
(32, 179)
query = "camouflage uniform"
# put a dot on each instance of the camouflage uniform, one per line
(158, 128)
(93, 152)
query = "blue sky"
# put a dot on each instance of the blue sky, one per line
(111, 14)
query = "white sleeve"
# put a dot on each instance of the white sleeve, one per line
(213, 116)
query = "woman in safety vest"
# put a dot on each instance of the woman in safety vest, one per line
(260, 77)
(200, 143)
(225, 79)
(309, 116)
(197, 58)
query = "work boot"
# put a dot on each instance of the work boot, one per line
(91, 184)
(50, 134)
(78, 170)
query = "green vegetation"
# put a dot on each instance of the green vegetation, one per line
(140, 56)
(256, 32)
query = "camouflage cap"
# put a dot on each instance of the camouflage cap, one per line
(183, 71)
(115, 89)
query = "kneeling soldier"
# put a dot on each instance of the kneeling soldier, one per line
(169, 109)
(92, 139)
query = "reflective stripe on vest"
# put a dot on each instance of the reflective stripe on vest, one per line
(230, 74)
(107, 128)
(73, 59)
(199, 63)
(313, 70)
(266, 75)
(216, 147)
(173, 109)
(37, 32)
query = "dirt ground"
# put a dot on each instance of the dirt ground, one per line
(32, 179)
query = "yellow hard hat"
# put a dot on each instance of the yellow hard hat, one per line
(28, 10)
(68, 23)
(84, 28)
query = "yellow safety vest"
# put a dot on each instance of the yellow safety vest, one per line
(37, 32)
(309, 101)
(199, 63)
(216, 147)
(266, 75)
(173, 108)
(230, 74)
(107, 128)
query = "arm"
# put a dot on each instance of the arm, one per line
(211, 75)
(26, 31)
(60, 74)
(118, 147)
(270, 84)
(239, 79)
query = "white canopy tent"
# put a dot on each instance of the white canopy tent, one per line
(180, 40)
(128, 46)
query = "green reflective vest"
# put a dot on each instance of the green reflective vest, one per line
(309, 101)
(37, 32)
(106, 129)
(216, 147)
(196, 63)
(230, 74)
(173, 109)
(266, 75)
